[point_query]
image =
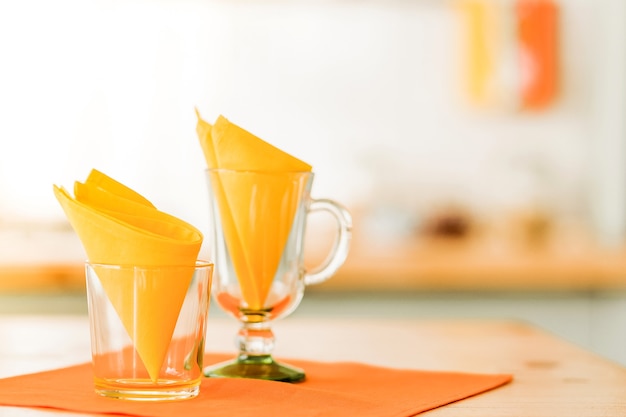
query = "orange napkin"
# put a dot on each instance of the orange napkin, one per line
(227, 146)
(331, 389)
(117, 225)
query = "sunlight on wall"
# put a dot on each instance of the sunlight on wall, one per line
(104, 84)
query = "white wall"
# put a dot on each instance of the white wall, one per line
(369, 92)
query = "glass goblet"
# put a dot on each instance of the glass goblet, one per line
(258, 222)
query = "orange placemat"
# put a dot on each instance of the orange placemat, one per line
(331, 389)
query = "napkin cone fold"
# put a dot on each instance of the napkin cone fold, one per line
(118, 226)
(255, 238)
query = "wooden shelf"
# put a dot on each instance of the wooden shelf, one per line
(42, 277)
(448, 264)
(420, 265)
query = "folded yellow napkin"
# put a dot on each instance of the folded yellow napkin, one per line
(116, 225)
(229, 149)
(228, 146)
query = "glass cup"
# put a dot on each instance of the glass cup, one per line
(258, 222)
(148, 325)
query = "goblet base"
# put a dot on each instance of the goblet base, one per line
(255, 367)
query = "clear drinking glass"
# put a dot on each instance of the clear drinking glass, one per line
(258, 222)
(148, 325)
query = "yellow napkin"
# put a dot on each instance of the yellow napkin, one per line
(227, 146)
(116, 225)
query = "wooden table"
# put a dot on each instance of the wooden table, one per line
(552, 378)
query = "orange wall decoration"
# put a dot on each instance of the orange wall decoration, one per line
(511, 52)
(481, 44)
(538, 47)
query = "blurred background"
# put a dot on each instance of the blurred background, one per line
(479, 144)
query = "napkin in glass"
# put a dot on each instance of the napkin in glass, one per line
(118, 226)
(228, 148)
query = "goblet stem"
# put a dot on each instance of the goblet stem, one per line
(255, 339)
(256, 342)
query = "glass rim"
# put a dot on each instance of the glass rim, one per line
(200, 263)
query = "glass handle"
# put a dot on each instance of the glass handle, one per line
(339, 252)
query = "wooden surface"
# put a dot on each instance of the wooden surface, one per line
(552, 378)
